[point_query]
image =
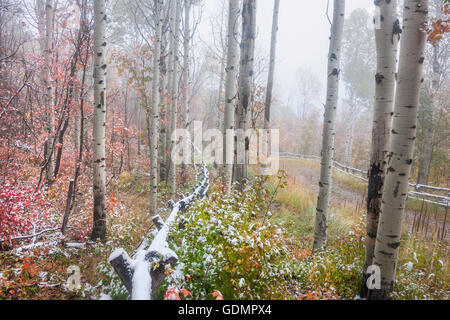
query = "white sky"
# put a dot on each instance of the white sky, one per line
(302, 37)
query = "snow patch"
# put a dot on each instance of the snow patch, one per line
(116, 253)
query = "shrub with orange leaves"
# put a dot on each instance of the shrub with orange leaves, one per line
(301, 254)
(217, 295)
(173, 293)
(439, 27)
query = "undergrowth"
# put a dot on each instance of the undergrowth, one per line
(422, 271)
(229, 245)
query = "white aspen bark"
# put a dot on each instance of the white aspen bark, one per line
(170, 91)
(273, 45)
(185, 82)
(334, 58)
(174, 106)
(138, 111)
(154, 135)
(163, 126)
(164, 88)
(401, 146)
(48, 47)
(387, 35)
(40, 12)
(77, 120)
(245, 85)
(219, 121)
(230, 90)
(99, 128)
(347, 144)
(186, 60)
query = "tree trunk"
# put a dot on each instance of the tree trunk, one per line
(77, 118)
(98, 141)
(164, 89)
(349, 142)
(155, 110)
(170, 82)
(273, 45)
(186, 58)
(230, 91)
(334, 55)
(245, 88)
(387, 34)
(401, 144)
(136, 107)
(163, 128)
(174, 107)
(219, 121)
(48, 47)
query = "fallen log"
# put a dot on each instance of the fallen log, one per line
(142, 274)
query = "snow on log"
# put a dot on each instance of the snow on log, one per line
(123, 266)
(143, 274)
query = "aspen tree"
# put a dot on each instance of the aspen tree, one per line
(164, 90)
(154, 136)
(401, 145)
(334, 58)
(174, 106)
(273, 45)
(246, 71)
(387, 35)
(230, 89)
(170, 82)
(48, 48)
(268, 102)
(186, 58)
(99, 128)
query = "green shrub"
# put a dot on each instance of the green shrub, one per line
(228, 246)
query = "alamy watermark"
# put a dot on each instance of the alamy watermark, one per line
(253, 147)
(374, 280)
(73, 282)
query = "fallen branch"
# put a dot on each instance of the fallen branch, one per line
(35, 235)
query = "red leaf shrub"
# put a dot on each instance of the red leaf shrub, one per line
(20, 207)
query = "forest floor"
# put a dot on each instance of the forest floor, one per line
(41, 271)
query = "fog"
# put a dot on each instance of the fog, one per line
(302, 38)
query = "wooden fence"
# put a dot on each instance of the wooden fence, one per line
(429, 197)
(437, 196)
